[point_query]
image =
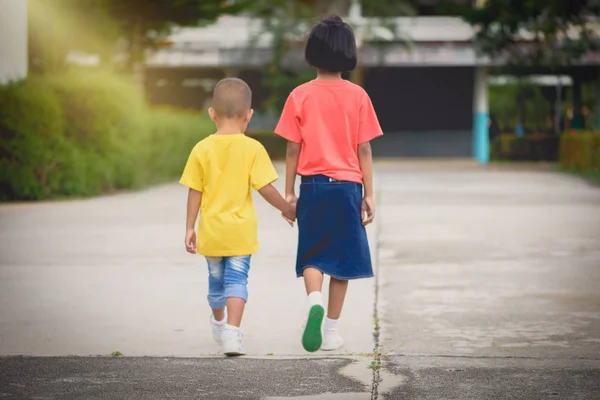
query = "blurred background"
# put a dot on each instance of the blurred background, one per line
(102, 95)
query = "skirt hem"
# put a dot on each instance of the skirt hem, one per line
(299, 275)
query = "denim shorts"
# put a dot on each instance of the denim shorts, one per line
(227, 277)
(331, 235)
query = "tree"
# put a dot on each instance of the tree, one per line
(143, 20)
(59, 26)
(518, 102)
(534, 32)
(287, 22)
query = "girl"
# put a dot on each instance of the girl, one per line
(328, 123)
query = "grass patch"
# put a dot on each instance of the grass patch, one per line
(375, 365)
(592, 177)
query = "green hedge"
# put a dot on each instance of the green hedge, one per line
(580, 152)
(274, 144)
(87, 134)
(509, 147)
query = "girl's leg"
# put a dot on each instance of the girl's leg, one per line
(313, 280)
(337, 294)
(312, 337)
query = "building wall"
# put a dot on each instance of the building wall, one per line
(424, 112)
(13, 40)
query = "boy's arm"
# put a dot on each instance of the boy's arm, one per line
(193, 206)
(365, 159)
(291, 166)
(273, 197)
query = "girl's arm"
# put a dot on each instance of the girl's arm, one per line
(365, 158)
(291, 166)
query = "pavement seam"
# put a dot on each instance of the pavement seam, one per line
(498, 357)
(376, 363)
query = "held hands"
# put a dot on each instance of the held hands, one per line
(290, 216)
(190, 241)
(367, 210)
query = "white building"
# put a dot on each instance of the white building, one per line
(13, 40)
(431, 97)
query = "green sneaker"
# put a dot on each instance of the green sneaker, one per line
(312, 337)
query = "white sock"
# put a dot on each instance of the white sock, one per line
(315, 298)
(219, 323)
(331, 324)
(231, 327)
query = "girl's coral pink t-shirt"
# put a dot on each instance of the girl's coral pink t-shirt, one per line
(330, 118)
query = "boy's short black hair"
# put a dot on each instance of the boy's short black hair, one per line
(232, 98)
(331, 46)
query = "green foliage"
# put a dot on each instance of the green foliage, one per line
(577, 151)
(142, 20)
(500, 24)
(31, 136)
(57, 27)
(387, 8)
(520, 103)
(173, 134)
(580, 151)
(82, 135)
(275, 145)
(509, 147)
(287, 24)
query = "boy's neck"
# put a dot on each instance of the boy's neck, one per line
(229, 128)
(227, 132)
(328, 76)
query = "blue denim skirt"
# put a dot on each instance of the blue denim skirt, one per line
(331, 236)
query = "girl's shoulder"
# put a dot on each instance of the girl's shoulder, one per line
(349, 88)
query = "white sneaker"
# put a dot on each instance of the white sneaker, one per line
(332, 340)
(312, 337)
(217, 329)
(233, 344)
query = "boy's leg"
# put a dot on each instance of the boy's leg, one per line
(216, 295)
(312, 337)
(236, 288)
(216, 287)
(236, 292)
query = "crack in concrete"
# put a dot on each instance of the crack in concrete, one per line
(376, 364)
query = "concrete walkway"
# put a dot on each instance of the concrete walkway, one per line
(488, 287)
(489, 282)
(112, 274)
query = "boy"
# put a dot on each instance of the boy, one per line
(220, 173)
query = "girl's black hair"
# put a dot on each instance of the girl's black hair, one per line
(331, 46)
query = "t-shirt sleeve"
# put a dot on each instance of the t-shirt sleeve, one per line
(369, 127)
(263, 172)
(288, 126)
(193, 176)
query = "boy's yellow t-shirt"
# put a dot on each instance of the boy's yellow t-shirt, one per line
(225, 168)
